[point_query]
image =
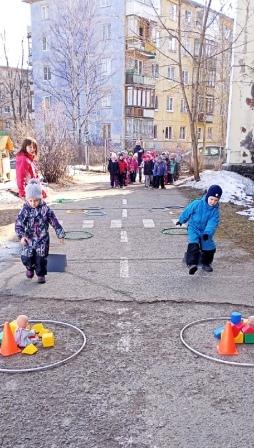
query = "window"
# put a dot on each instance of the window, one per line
(105, 3)
(46, 73)
(187, 17)
(106, 131)
(7, 125)
(211, 78)
(47, 102)
(199, 133)
(210, 133)
(45, 12)
(155, 70)
(106, 31)
(187, 46)
(182, 133)
(196, 47)
(157, 39)
(168, 133)
(209, 48)
(106, 100)
(7, 109)
(169, 104)
(155, 133)
(209, 105)
(44, 43)
(138, 67)
(106, 66)
(156, 103)
(171, 72)
(183, 107)
(129, 96)
(185, 74)
(173, 12)
(172, 44)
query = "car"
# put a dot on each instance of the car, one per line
(212, 156)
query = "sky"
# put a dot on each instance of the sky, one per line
(14, 19)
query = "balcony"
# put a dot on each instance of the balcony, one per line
(133, 78)
(133, 111)
(146, 48)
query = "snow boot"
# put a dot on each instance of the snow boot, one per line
(41, 279)
(207, 268)
(29, 273)
(193, 269)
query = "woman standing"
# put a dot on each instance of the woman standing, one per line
(25, 164)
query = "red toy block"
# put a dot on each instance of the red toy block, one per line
(235, 330)
(247, 329)
(240, 326)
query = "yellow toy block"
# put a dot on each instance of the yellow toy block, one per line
(48, 340)
(43, 331)
(13, 326)
(239, 338)
(38, 328)
(30, 350)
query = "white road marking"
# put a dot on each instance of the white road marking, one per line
(88, 224)
(123, 345)
(148, 223)
(124, 236)
(124, 201)
(124, 213)
(116, 224)
(124, 268)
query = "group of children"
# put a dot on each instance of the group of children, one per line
(202, 215)
(158, 170)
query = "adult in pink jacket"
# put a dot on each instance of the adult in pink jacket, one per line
(25, 164)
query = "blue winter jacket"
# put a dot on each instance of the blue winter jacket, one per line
(159, 169)
(202, 219)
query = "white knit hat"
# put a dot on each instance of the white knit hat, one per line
(33, 189)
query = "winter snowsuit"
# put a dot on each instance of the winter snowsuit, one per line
(132, 168)
(33, 224)
(158, 174)
(113, 169)
(122, 172)
(148, 172)
(25, 170)
(202, 219)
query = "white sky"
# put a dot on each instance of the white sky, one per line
(14, 19)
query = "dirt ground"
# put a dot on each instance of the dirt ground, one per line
(233, 226)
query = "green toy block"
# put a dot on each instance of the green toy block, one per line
(249, 338)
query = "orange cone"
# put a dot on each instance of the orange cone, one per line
(227, 345)
(8, 346)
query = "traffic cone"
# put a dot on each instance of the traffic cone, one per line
(227, 345)
(8, 346)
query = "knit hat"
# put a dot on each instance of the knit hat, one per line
(33, 190)
(215, 191)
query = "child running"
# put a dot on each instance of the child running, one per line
(203, 219)
(32, 230)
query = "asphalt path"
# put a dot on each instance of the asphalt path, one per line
(135, 384)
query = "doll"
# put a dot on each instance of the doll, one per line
(23, 335)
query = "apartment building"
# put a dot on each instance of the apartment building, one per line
(125, 30)
(171, 124)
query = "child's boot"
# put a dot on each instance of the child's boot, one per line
(29, 273)
(193, 269)
(207, 268)
(41, 279)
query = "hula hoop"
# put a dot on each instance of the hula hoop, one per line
(174, 231)
(78, 235)
(63, 201)
(203, 355)
(57, 363)
(94, 212)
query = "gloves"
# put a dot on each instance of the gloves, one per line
(205, 237)
(178, 223)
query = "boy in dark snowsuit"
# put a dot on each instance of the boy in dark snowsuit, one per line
(113, 169)
(31, 228)
(203, 219)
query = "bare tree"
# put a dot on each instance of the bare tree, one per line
(75, 63)
(16, 87)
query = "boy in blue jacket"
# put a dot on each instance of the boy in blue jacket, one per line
(203, 219)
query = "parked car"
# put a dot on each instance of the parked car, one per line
(212, 156)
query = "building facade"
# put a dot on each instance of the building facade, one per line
(240, 136)
(171, 126)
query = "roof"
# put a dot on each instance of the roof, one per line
(6, 144)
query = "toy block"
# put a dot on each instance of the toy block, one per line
(235, 317)
(13, 326)
(249, 338)
(48, 340)
(247, 329)
(235, 330)
(217, 332)
(43, 331)
(239, 338)
(30, 350)
(240, 325)
(38, 327)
